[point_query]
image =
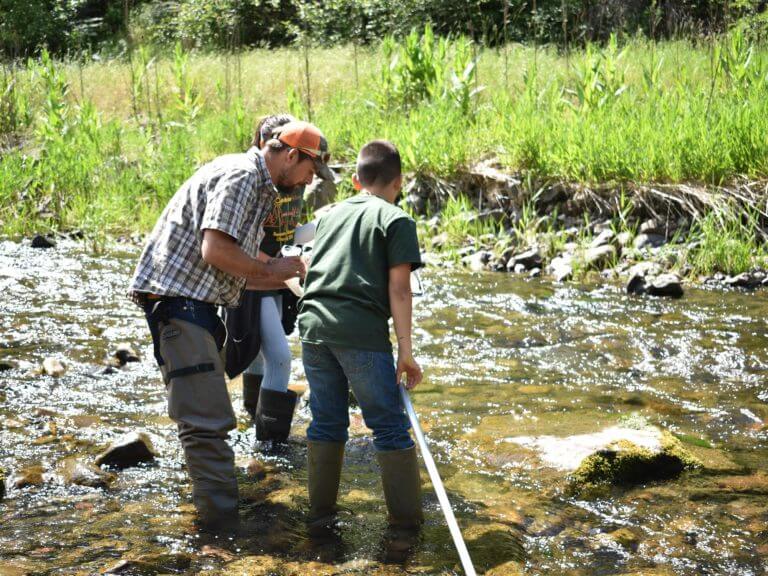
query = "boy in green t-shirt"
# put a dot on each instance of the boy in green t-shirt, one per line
(363, 255)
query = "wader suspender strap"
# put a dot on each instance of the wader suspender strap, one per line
(189, 370)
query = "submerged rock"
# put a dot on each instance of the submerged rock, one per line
(8, 365)
(54, 367)
(150, 564)
(496, 545)
(254, 566)
(624, 462)
(619, 455)
(30, 476)
(40, 241)
(125, 353)
(129, 450)
(75, 471)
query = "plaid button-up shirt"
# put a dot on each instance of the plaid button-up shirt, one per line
(233, 194)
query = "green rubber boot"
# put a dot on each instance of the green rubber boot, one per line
(402, 487)
(324, 461)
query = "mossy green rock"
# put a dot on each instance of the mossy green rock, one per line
(624, 463)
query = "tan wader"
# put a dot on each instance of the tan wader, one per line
(199, 403)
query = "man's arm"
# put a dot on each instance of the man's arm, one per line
(222, 251)
(401, 305)
(266, 283)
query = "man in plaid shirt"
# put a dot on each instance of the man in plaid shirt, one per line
(200, 255)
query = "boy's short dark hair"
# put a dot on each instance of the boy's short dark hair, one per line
(378, 163)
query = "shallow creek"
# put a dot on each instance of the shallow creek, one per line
(504, 357)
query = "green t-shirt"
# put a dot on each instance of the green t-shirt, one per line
(346, 291)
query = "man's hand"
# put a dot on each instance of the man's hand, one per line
(407, 365)
(286, 268)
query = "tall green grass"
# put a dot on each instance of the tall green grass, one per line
(105, 144)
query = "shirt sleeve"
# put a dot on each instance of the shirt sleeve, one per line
(227, 203)
(403, 243)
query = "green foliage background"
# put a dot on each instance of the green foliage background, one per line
(69, 26)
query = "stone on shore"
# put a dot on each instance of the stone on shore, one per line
(663, 285)
(624, 239)
(127, 451)
(478, 261)
(668, 285)
(600, 257)
(648, 241)
(604, 238)
(54, 367)
(561, 268)
(743, 280)
(528, 260)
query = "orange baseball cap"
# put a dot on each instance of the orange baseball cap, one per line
(305, 137)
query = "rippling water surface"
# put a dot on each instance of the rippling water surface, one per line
(503, 357)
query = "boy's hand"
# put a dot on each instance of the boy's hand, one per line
(406, 365)
(306, 259)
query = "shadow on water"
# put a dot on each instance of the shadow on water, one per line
(505, 358)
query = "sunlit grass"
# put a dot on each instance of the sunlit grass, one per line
(105, 145)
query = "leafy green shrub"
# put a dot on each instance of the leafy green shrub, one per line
(425, 68)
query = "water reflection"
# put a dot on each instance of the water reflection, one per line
(504, 357)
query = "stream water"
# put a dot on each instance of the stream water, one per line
(504, 357)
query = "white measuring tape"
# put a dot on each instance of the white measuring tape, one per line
(437, 483)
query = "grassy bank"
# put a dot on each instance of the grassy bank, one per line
(102, 146)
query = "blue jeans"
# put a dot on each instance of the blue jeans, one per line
(331, 372)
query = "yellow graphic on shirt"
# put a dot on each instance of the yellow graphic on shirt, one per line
(284, 217)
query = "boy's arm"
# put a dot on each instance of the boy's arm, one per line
(400, 303)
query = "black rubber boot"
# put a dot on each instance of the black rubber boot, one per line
(274, 414)
(251, 387)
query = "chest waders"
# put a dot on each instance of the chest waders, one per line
(188, 340)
